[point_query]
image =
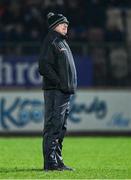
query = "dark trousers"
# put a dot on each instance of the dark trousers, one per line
(55, 125)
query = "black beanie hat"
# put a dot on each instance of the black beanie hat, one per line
(54, 19)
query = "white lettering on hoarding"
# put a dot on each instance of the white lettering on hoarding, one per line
(20, 70)
(24, 72)
(32, 74)
(6, 72)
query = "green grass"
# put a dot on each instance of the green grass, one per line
(93, 158)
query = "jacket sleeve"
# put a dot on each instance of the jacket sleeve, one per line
(46, 63)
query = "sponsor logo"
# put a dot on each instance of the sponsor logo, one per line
(97, 107)
(16, 72)
(22, 111)
(119, 120)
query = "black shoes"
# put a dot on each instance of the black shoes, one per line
(53, 169)
(59, 168)
(66, 168)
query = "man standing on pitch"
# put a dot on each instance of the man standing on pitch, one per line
(56, 65)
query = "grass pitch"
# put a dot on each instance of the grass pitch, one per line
(92, 158)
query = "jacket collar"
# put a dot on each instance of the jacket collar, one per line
(57, 34)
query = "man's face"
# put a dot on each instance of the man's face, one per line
(62, 28)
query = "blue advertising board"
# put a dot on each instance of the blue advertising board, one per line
(22, 71)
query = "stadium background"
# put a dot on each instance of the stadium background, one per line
(99, 36)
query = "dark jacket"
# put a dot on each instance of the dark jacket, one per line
(56, 64)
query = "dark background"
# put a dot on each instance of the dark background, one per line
(99, 34)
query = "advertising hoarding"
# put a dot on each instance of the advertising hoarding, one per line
(91, 110)
(22, 71)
